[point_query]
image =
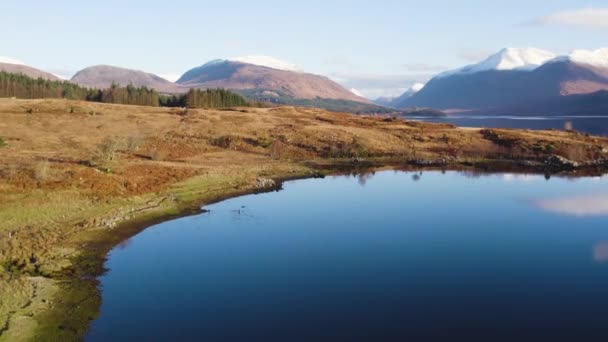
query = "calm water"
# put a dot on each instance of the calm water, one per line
(596, 125)
(389, 256)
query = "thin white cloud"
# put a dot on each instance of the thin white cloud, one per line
(596, 18)
(416, 67)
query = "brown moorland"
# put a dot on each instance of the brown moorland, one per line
(77, 178)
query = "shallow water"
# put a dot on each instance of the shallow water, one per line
(596, 125)
(389, 256)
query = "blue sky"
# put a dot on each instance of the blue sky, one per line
(378, 47)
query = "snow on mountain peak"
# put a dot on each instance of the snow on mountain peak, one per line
(416, 87)
(512, 58)
(597, 58)
(508, 59)
(10, 60)
(267, 61)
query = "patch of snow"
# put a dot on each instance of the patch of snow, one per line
(416, 87)
(267, 61)
(356, 92)
(411, 91)
(10, 60)
(215, 62)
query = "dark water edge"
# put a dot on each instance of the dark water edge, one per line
(595, 125)
(383, 256)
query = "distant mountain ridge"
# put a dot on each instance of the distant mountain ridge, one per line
(270, 80)
(243, 76)
(103, 76)
(27, 70)
(514, 78)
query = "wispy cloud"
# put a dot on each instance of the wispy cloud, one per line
(475, 56)
(424, 67)
(596, 18)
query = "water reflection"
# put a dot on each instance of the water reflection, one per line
(458, 254)
(600, 252)
(510, 177)
(585, 205)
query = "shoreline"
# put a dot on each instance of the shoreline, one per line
(90, 265)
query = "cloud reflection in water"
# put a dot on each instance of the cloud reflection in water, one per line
(581, 206)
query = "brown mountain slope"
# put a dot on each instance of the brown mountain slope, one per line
(28, 71)
(242, 76)
(584, 79)
(102, 76)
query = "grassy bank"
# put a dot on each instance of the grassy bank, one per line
(78, 178)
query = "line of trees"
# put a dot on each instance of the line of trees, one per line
(213, 98)
(25, 87)
(204, 98)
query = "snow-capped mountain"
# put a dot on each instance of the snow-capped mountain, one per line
(267, 61)
(411, 91)
(507, 59)
(596, 58)
(514, 78)
(266, 75)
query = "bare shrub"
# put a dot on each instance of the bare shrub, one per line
(42, 170)
(9, 171)
(158, 155)
(107, 150)
(223, 141)
(573, 152)
(133, 143)
(277, 149)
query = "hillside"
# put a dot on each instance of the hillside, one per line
(103, 76)
(27, 70)
(509, 79)
(243, 76)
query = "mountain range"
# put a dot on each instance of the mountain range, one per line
(256, 77)
(512, 81)
(516, 81)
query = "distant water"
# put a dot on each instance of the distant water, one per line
(596, 125)
(393, 256)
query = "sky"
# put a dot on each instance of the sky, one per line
(379, 48)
